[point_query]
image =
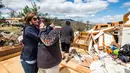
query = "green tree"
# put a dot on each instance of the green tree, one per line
(1, 5)
(55, 19)
(12, 13)
(28, 9)
(44, 15)
(35, 8)
(79, 26)
(57, 22)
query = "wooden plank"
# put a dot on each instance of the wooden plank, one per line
(98, 35)
(83, 69)
(3, 69)
(97, 31)
(84, 33)
(9, 56)
(90, 47)
(70, 66)
(82, 37)
(83, 46)
(127, 25)
(13, 65)
(6, 50)
(73, 64)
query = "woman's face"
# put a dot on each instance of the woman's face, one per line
(34, 20)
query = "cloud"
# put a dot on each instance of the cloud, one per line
(92, 15)
(108, 18)
(126, 4)
(78, 1)
(76, 10)
(4, 11)
(76, 16)
(70, 8)
(128, 9)
(114, 1)
(111, 1)
(61, 6)
(16, 4)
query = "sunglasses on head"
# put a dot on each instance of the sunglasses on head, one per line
(35, 19)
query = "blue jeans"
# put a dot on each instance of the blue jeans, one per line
(29, 68)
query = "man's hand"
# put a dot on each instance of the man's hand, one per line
(52, 25)
(41, 25)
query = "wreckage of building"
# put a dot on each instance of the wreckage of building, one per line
(99, 50)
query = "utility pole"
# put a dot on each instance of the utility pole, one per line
(87, 25)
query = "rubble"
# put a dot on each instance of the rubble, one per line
(100, 44)
(8, 38)
(99, 49)
(9, 43)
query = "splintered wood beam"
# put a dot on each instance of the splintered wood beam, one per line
(96, 32)
(125, 17)
(82, 46)
(127, 25)
(84, 33)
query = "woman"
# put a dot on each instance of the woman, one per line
(49, 54)
(30, 42)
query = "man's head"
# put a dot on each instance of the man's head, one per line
(44, 20)
(68, 23)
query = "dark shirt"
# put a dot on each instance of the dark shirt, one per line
(67, 34)
(49, 54)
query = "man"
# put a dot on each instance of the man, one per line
(67, 37)
(49, 54)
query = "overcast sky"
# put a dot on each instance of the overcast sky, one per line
(96, 11)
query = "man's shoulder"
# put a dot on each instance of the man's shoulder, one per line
(67, 27)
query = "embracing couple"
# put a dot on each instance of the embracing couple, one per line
(41, 49)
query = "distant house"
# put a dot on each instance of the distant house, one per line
(15, 21)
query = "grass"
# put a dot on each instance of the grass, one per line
(10, 28)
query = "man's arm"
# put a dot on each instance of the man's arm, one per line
(45, 31)
(72, 35)
(49, 37)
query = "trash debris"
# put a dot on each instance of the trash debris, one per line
(107, 49)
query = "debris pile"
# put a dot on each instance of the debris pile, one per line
(9, 44)
(103, 49)
(8, 38)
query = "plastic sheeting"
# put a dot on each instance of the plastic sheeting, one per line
(106, 65)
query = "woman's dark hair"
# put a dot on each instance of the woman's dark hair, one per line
(29, 17)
